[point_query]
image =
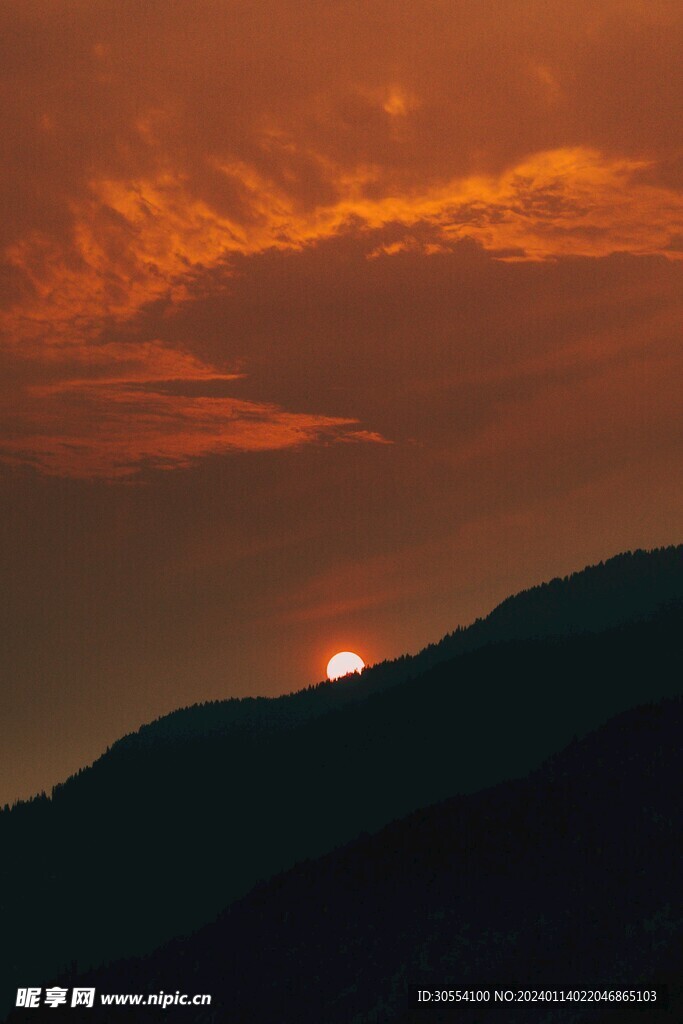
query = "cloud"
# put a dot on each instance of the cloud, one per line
(147, 243)
(133, 243)
(137, 185)
(148, 406)
(117, 435)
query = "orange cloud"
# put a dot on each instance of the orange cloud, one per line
(136, 243)
(113, 429)
(134, 181)
(145, 406)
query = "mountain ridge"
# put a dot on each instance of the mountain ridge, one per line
(225, 812)
(658, 572)
(567, 879)
(532, 603)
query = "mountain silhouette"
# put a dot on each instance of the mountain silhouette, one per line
(177, 822)
(566, 880)
(626, 587)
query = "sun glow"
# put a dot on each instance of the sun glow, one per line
(343, 664)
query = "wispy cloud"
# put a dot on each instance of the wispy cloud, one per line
(435, 128)
(149, 407)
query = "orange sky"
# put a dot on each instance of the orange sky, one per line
(321, 326)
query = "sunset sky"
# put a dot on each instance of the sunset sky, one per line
(324, 325)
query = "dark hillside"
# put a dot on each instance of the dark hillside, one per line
(569, 879)
(166, 847)
(205, 816)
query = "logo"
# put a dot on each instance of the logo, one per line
(29, 998)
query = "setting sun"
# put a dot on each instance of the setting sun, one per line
(344, 663)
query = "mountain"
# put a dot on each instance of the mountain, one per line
(173, 825)
(566, 880)
(629, 586)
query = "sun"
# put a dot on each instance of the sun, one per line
(343, 663)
